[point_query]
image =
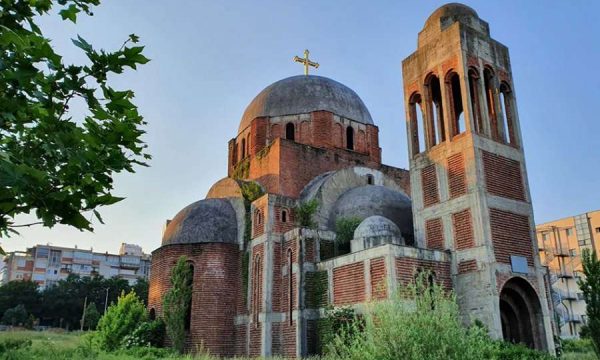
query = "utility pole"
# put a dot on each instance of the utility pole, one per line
(106, 301)
(83, 315)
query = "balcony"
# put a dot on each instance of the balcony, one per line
(575, 318)
(564, 275)
(567, 295)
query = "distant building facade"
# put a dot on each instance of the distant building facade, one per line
(47, 264)
(561, 243)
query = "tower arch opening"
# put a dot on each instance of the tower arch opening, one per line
(475, 105)
(290, 131)
(490, 98)
(416, 123)
(456, 104)
(507, 114)
(349, 138)
(521, 314)
(435, 124)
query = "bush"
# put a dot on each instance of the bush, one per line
(304, 213)
(344, 232)
(176, 303)
(577, 345)
(11, 345)
(150, 333)
(120, 320)
(419, 322)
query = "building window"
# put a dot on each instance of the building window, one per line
(544, 236)
(188, 317)
(284, 216)
(289, 131)
(475, 105)
(435, 121)
(490, 97)
(598, 230)
(243, 152)
(569, 231)
(458, 117)
(416, 124)
(349, 138)
(258, 218)
(290, 286)
(370, 179)
(152, 314)
(507, 114)
(256, 284)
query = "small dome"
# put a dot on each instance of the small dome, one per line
(365, 201)
(303, 94)
(453, 11)
(377, 226)
(205, 221)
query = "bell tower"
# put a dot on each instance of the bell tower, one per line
(468, 176)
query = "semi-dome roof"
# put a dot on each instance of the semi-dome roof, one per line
(205, 221)
(377, 226)
(365, 201)
(454, 11)
(303, 94)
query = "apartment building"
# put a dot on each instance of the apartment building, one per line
(561, 243)
(47, 264)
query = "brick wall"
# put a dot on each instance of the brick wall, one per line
(216, 286)
(378, 278)
(503, 176)
(430, 186)
(279, 226)
(457, 180)
(434, 234)
(349, 284)
(511, 235)
(258, 221)
(467, 266)
(406, 269)
(462, 224)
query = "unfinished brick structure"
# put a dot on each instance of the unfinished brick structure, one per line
(261, 279)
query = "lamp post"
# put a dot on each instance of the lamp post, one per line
(106, 300)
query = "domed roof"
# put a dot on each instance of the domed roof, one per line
(365, 201)
(303, 94)
(455, 11)
(205, 221)
(377, 226)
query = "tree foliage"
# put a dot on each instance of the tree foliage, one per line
(590, 286)
(120, 320)
(91, 317)
(23, 293)
(176, 303)
(54, 163)
(16, 316)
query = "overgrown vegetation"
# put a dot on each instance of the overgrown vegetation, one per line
(304, 213)
(420, 322)
(344, 233)
(590, 286)
(176, 303)
(120, 320)
(316, 289)
(241, 170)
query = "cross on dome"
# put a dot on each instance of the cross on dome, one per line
(306, 62)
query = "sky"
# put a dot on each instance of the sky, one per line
(210, 58)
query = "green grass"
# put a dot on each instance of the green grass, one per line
(77, 346)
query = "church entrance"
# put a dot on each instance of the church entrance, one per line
(521, 314)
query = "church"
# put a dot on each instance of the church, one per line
(264, 245)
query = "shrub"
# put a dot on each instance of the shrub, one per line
(176, 303)
(150, 333)
(590, 286)
(577, 345)
(304, 213)
(13, 344)
(344, 231)
(419, 322)
(120, 320)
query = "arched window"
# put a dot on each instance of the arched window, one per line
(490, 99)
(188, 315)
(416, 124)
(290, 262)
(507, 114)
(435, 125)
(243, 150)
(475, 106)
(349, 138)
(284, 216)
(258, 217)
(256, 285)
(290, 131)
(152, 314)
(455, 97)
(370, 179)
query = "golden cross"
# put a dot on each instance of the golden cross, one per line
(306, 62)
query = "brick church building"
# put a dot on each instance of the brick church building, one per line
(463, 210)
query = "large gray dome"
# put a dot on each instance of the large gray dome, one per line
(205, 221)
(365, 201)
(303, 94)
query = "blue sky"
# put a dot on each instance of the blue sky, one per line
(210, 58)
